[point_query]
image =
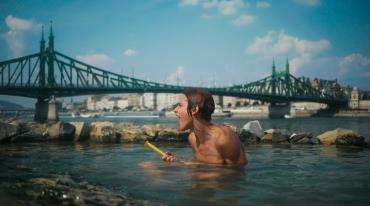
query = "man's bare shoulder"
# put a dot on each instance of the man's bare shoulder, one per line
(225, 135)
(191, 137)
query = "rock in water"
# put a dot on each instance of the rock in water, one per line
(133, 134)
(82, 132)
(254, 127)
(275, 136)
(172, 135)
(301, 138)
(8, 131)
(60, 131)
(341, 136)
(150, 130)
(248, 137)
(63, 190)
(103, 132)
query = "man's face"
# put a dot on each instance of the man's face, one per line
(181, 112)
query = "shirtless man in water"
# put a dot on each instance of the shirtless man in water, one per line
(211, 143)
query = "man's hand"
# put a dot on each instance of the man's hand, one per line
(169, 157)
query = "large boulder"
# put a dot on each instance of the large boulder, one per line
(64, 190)
(301, 138)
(341, 136)
(60, 131)
(276, 136)
(133, 134)
(30, 132)
(7, 131)
(248, 137)
(254, 127)
(82, 132)
(251, 132)
(172, 135)
(150, 130)
(123, 125)
(103, 132)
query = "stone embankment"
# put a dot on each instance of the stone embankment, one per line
(109, 132)
(103, 132)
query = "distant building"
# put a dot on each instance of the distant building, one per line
(122, 103)
(91, 102)
(359, 99)
(134, 100)
(147, 101)
(95, 103)
(354, 101)
(167, 101)
(233, 102)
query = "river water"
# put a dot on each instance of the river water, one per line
(111, 174)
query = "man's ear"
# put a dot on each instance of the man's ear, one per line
(195, 110)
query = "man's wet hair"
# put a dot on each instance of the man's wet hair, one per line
(203, 99)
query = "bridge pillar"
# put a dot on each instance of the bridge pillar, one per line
(278, 110)
(53, 112)
(41, 111)
(155, 105)
(219, 100)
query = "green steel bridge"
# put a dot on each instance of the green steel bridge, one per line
(51, 73)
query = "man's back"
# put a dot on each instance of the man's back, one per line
(219, 145)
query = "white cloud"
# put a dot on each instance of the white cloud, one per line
(280, 45)
(17, 29)
(355, 63)
(243, 20)
(15, 23)
(225, 7)
(176, 77)
(188, 2)
(205, 16)
(210, 4)
(130, 52)
(263, 4)
(310, 3)
(98, 60)
(230, 7)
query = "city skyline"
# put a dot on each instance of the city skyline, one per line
(230, 42)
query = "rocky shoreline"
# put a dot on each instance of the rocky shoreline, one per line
(109, 132)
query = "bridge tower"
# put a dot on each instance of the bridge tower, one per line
(288, 85)
(280, 109)
(51, 79)
(42, 60)
(41, 106)
(273, 78)
(46, 110)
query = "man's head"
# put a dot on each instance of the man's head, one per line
(195, 103)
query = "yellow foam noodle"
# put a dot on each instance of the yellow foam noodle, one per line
(149, 145)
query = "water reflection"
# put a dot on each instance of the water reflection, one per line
(215, 184)
(342, 152)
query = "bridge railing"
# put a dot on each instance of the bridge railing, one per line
(20, 72)
(74, 73)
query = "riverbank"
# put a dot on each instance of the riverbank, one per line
(123, 132)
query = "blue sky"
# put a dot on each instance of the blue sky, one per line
(202, 42)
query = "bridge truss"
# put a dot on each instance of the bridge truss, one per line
(51, 73)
